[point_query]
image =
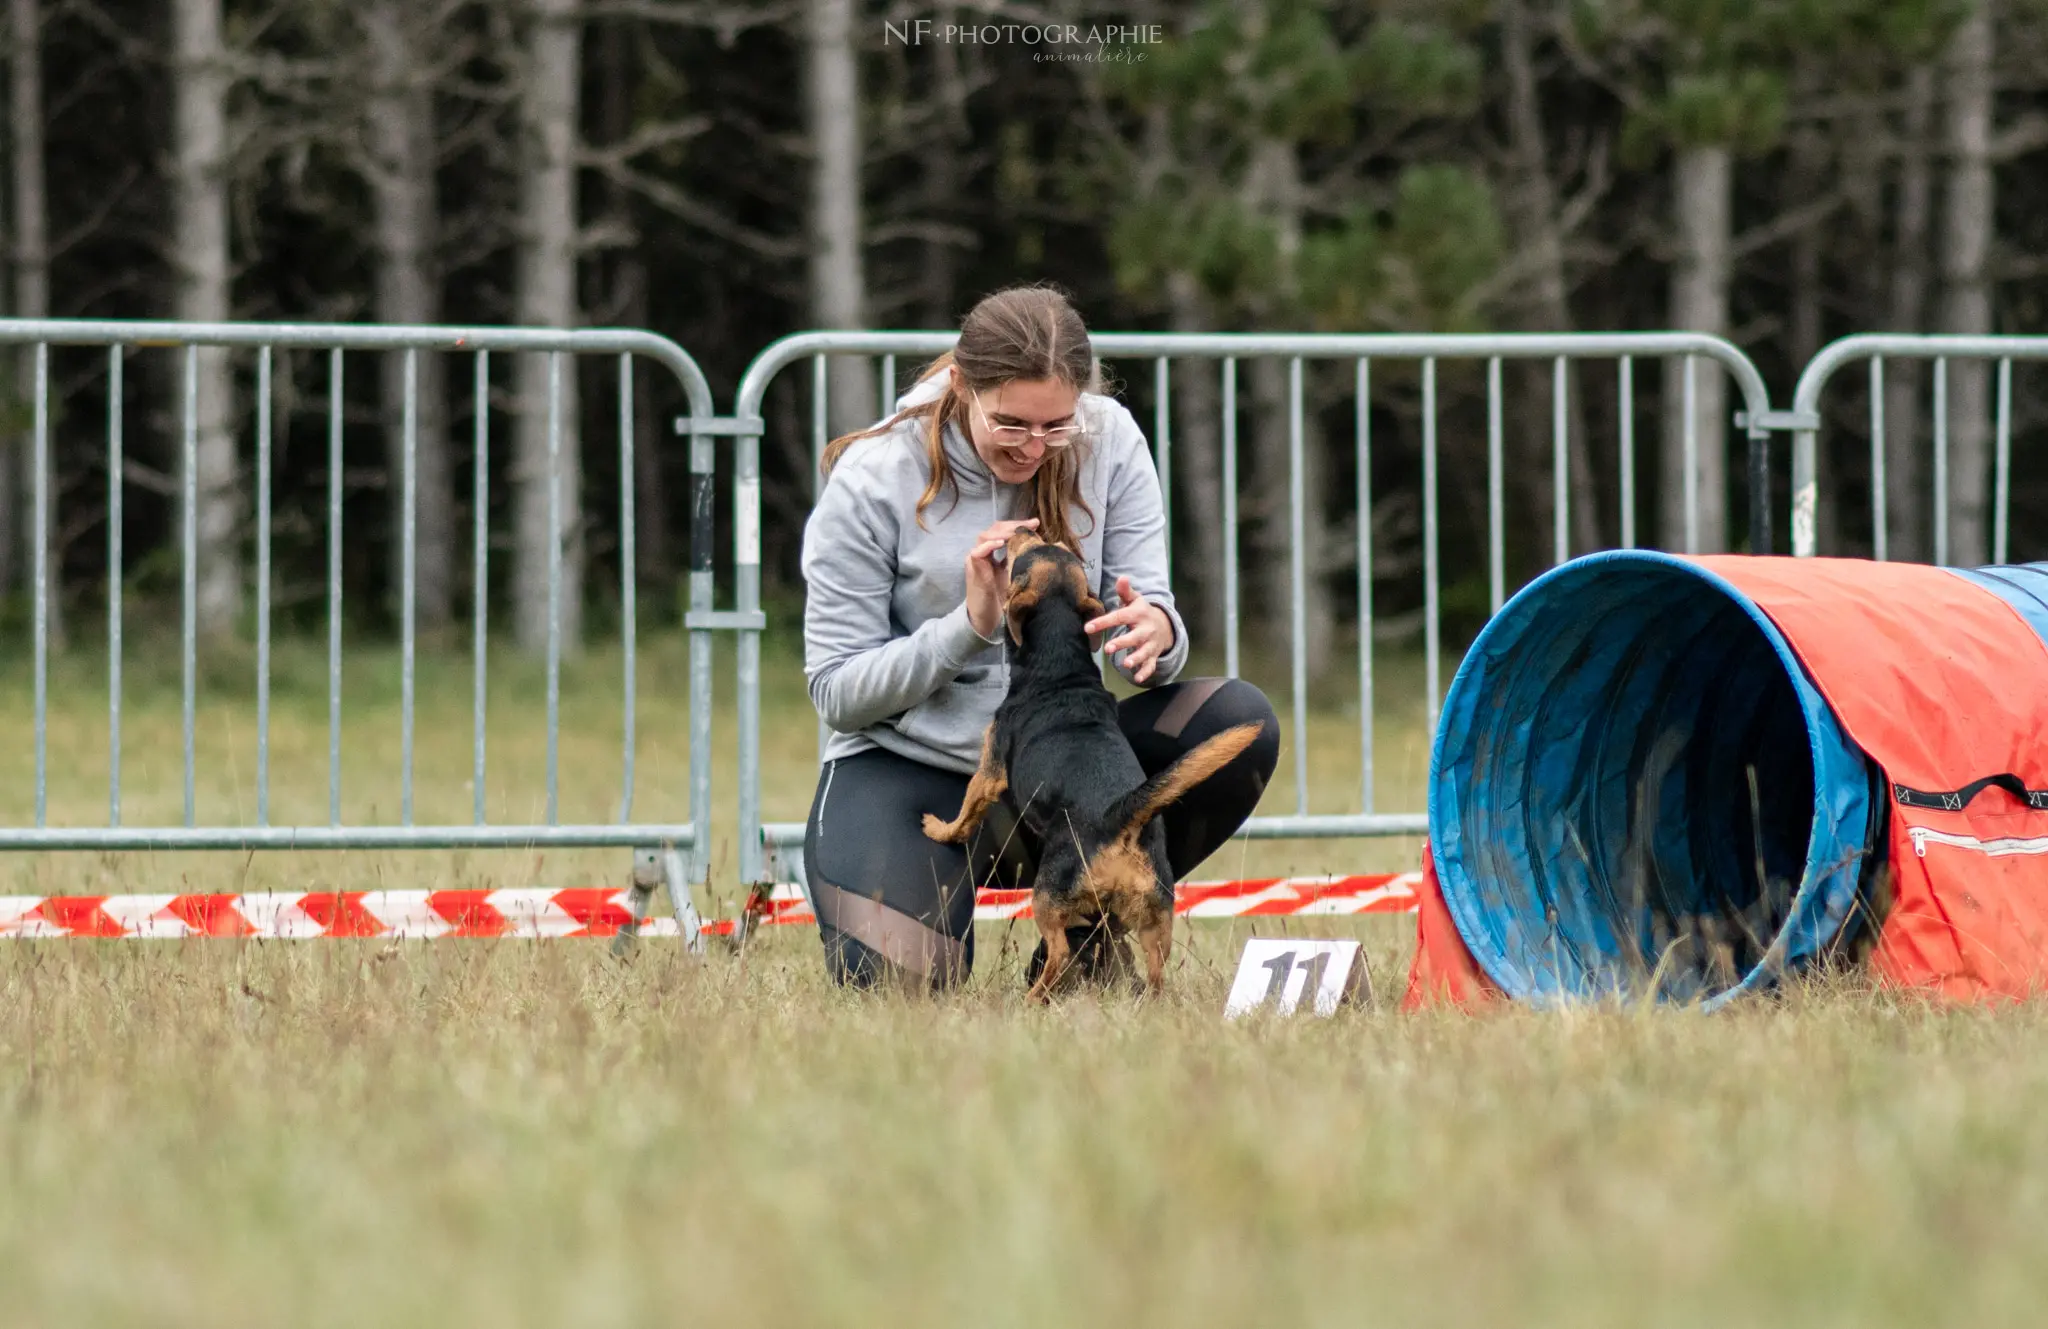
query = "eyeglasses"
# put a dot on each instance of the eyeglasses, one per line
(1016, 436)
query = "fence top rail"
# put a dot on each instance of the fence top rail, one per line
(1905, 346)
(1308, 345)
(365, 337)
(565, 836)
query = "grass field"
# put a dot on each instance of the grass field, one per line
(528, 1133)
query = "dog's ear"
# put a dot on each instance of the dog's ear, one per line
(1091, 609)
(1023, 596)
(1130, 813)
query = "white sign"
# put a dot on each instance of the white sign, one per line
(1276, 972)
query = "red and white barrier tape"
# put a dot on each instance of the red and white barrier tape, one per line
(586, 912)
(1385, 893)
(583, 912)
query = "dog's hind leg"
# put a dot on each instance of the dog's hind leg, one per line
(983, 790)
(1052, 925)
(1155, 938)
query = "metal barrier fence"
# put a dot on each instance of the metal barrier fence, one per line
(668, 852)
(1875, 348)
(785, 839)
(675, 852)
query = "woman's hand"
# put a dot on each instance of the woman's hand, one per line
(1150, 633)
(988, 582)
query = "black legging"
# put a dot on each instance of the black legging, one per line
(888, 898)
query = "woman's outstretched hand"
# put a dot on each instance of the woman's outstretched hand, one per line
(988, 582)
(1149, 633)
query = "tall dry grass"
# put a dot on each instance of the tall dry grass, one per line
(225, 1134)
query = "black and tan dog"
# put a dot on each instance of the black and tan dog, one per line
(1055, 745)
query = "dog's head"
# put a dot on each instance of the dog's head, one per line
(1042, 571)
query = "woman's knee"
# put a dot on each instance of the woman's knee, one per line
(1236, 703)
(851, 962)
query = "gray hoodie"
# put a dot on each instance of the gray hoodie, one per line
(891, 657)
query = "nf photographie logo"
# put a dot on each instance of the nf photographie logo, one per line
(1090, 42)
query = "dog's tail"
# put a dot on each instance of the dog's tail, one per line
(1130, 813)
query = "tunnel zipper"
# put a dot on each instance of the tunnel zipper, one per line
(1995, 848)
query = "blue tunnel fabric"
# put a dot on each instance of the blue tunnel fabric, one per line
(1635, 787)
(2024, 586)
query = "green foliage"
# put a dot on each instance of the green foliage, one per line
(1296, 85)
(1706, 72)
(1744, 109)
(1229, 251)
(1416, 264)
(1418, 70)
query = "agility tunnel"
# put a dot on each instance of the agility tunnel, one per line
(1691, 777)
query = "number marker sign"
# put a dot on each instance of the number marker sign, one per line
(1277, 972)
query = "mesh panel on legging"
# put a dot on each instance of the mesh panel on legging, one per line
(888, 897)
(1166, 723)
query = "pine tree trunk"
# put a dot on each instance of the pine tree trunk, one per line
(32, 278)
(945, 179)
(1905, 460)
(652, 542)
(1810, 165)
(1532, 204)
(200, 255)
(838, 283)
(1197, 468)
(1699, 303)
(1967, 220)
(1274, 191)
(401, 133)
(547, 298)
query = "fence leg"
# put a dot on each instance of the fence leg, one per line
(675, 866)
(646, 876)
(651, 869)
(785, 863)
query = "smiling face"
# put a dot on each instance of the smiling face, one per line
(1034, 404)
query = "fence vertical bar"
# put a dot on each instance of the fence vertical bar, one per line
(629, 577)
(1560, 478)
(115, 477)
(703, 510)
(1941, 461)
(820, 399)
(1496, 491)
(2002, 481)
(1691, 432)
(191, 557)
(1432, 630)
(263, 586)
(746, 543)
(554, 584)
(480, 559)
(334, 404)
(42, 580)
(1878, 506)
(1297, 580)
(1625, 414)
(820, 430)
(1363, 393)
(1162, 449)
(408, 569)
(1230, 615)
(1759, 451)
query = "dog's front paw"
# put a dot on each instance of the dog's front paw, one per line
(935, 829)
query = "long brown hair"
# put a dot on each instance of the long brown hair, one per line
(1023, 332)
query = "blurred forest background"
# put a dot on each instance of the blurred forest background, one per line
(1781, 172)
